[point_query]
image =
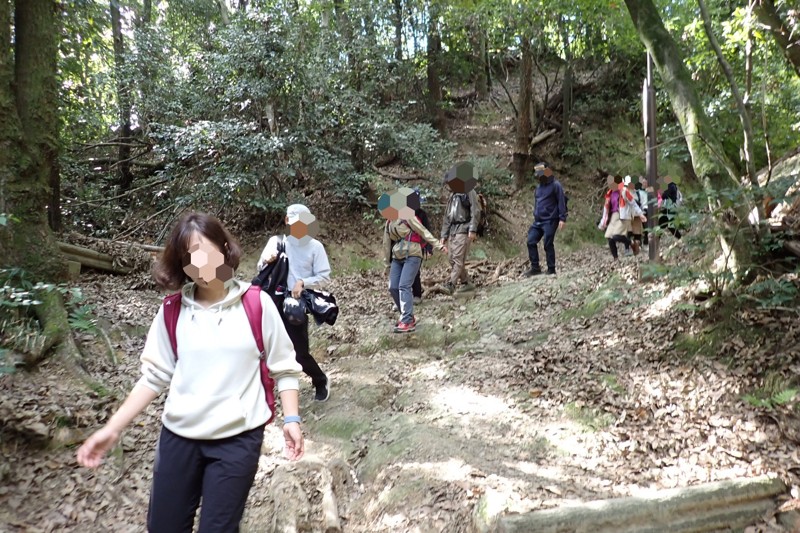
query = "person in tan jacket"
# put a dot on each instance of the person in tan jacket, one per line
(402, 246)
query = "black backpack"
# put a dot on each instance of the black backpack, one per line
(273, 278)
(483, 221)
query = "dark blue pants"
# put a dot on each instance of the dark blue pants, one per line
(218, 471)
(547, 230)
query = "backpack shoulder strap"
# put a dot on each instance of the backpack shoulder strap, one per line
(251, 300)
(172, 310)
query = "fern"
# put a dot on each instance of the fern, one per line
(782, 397)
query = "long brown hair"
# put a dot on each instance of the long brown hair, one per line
(168, 272)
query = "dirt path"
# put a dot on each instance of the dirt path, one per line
(528, 395)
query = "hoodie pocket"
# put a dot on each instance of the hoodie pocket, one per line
(199, 416)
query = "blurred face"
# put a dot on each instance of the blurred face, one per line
(205, 264)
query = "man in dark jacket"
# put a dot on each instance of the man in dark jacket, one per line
(549, 215)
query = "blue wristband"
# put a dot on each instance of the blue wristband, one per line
(292, 418)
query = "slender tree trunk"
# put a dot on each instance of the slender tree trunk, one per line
(225, 15)
(710, 161)
(434, 82)
(788, 42)
(521, 156)
(744, 114)
(566, 86)
(478, 41)
(146, 15)
(123, 98)
(714, 168)
(398, 30)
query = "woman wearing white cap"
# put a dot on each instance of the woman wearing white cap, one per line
(309, 268)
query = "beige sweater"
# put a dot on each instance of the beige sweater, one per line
(399, 229)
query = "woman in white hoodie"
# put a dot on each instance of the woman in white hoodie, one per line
(215, 411)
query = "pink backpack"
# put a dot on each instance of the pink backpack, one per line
(252, 307)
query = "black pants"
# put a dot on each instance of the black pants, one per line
(218, 471)
(547, 230)
(612, 244)
(665, 221)
(416, 287)
(299, 337)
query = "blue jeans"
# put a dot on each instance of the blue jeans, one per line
(546, 229)
(401, 277)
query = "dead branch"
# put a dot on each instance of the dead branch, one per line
(498, 214)
(390, 175)
(117, 197)
(510, 98)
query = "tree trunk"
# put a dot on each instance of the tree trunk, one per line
(225, 16)
(566, 86)
(10, 131)
(480, 73)
(146, 16)
(521, 156)
(37, 94)
(744, 115)
(714, 168)
(28, 152)
(768, 15)
(398, 30)
(709, 160)
(123, 98)
(434, 82)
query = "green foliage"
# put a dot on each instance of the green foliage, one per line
(19, 330)
(777, 399)
(597, 301)
(495, 179)
(591, 418)
(775, 391)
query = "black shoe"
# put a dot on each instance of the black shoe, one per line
(532, 272)
(551, 272)
(323, 391)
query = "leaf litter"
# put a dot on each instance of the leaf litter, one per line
(546, 391)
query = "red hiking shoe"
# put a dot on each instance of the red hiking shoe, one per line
(402, 327)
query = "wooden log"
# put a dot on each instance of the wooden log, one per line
(542, 137)
(145, 247)
(83, 252)
(97, 263)
(793, 247)
(722, 505)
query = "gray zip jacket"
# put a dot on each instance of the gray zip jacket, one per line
(451, 226)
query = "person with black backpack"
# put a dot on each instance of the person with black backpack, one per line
(427, 250)
(549, 215)
(218, 401)
(309, 268)
(462, 217)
